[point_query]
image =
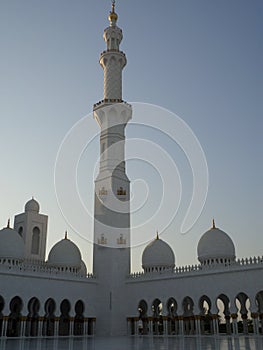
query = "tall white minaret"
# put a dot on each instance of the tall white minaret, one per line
(111, 253)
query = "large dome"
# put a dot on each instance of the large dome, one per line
(11, 244)
(32, 205)
(158, 256)
(65, 253)
(215, 246)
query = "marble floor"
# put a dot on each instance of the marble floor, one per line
(136, 343)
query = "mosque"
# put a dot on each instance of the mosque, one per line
(57, 296)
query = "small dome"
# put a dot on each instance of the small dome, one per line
(11, 244)
(65, 253)
(113, 17)
(158, 255)
(83, 268)
(32, 206)
(215, 245)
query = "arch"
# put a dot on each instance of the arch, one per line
(206, 321)
(171, 306)
(172, 319)
(189, 321)
(14, 318)
(244, 320)
(32, 317)
(2, 305)
(157, 309)
(64, 319)
(223, 305)
(49, 318)
(188, 306)
(142, 308)
(259, 301)
(78, 328)
(35, 240)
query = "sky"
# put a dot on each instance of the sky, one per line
(199, 59)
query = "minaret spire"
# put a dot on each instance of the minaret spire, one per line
(113, 17)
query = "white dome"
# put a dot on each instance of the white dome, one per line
(32, 205)
(158, 254)
(215, 244)
(83, 268)
(65, 253)
(11, 244)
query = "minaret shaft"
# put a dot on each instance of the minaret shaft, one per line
(111, 252)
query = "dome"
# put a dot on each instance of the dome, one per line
(113, 17)
(158, 255)
(83, 268)
(215, 246)
(11, 244)
(32, 206)
(65, 253)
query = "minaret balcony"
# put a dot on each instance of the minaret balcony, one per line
(109, 101)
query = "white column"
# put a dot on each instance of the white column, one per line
(234, 323)
(40, 326)
(71, 326)
(23, 326)
(198, 325)
(150, 322)
(255, 323)
(4, 326)
(165, 326)
(215, 324)
(181, 325)
(56, 326)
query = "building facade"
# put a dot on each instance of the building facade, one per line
(58, 297)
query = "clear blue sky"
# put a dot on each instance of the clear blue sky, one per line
(200, 59)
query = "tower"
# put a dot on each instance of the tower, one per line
(111, 253)
(32, 227)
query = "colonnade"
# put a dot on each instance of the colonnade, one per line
(24, 326)
(194, 325)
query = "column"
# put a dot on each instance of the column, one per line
(23, 326)
(234, 323)
(198, 324)
(254, 316)
(4, 326)
(56, 326)
(71, 326)
(181, 325)
(192, 325)
(215, 324)
(165, 326)
(40, 326)
(150, 325)
(245, 325)
(228, 325)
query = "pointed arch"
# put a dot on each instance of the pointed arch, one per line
(35, 241)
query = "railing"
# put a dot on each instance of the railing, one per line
(188, 269)
(41, 267)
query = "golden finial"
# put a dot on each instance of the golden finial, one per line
(8, 223)
(213, 224)
(66, 234)
(157, 235)
(113, 15)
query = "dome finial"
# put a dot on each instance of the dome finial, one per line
(157, 234)
(66, 234)
(213, 224)
(113, 15)
(8, 223)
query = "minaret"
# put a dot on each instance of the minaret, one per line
(111, 253)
